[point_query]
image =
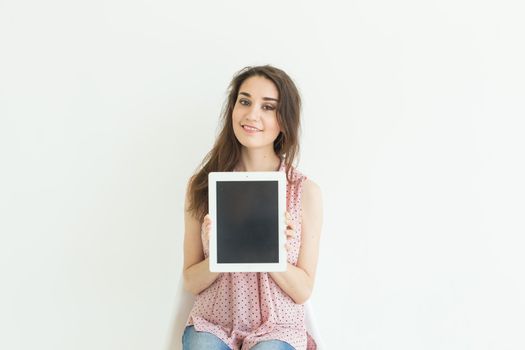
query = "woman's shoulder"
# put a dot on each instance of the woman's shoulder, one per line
(312, 204)
(311, 189)
(298, 175)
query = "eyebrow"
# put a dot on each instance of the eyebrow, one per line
(264, 98)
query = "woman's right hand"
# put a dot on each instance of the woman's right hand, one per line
(205, 232)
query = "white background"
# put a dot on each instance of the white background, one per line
(412, 127)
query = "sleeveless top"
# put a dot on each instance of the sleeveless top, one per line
(245, 308)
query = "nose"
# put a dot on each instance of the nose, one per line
(253, 113)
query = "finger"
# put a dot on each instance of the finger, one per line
(205, 228)
(290, 233)
(289, 222)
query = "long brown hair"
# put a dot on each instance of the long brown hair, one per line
(226, 151)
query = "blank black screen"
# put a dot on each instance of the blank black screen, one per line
(247, 222)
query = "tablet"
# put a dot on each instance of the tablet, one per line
(247, 210)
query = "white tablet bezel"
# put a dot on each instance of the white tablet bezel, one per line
(213, 178)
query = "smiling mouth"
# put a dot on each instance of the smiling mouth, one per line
(249, 128)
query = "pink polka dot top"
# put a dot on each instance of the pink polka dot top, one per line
(245, 308)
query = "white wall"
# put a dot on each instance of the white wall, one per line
(413, 128)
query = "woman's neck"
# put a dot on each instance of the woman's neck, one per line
(258, 162)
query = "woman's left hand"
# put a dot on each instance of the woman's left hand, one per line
(290, 230)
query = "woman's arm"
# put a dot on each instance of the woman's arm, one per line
(196, 272)
(298, 281)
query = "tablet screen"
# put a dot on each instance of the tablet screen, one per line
(247, 222)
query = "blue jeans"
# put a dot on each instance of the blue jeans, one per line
(195, 340)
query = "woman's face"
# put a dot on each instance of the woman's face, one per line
(256, 106)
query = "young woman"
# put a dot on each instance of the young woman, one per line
(252, 310)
